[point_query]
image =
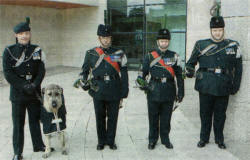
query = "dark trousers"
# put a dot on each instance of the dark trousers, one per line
(212, 107)
(159, 114)
(106, 131)
(18, 118)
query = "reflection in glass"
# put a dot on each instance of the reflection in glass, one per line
(135, 28)
(165, 2)
(123, 3)
(127, 19)
(172, 17)
(131, 43)
(135, 2)
(154, 1)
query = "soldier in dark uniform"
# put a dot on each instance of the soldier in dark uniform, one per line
(23, 67)
(218, 76)
(107, 68)
(164, 66)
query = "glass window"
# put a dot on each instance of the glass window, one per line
(155, 2)
(171, 16)
(131, 43)
(178, 44)
(135, 24)
(127, 19)
(123, 3)
(135, 2)
(150, 2)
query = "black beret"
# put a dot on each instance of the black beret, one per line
(23, 26)
(164, 34)
(217, 22)
(104, 30)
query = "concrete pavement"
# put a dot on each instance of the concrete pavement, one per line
(132, 130)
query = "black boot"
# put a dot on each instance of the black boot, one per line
(202, 143)
(169, 145)
(221, 145)
(100, 147)
(113, 146)
(151, 146)
(17, 157)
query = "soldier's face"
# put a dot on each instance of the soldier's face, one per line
(105, 41)
(217, 34)
(23, 37)
(163, 43)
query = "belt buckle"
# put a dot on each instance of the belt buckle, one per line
(164, 80)
(107, 78)
(28, 77)
(217, 70)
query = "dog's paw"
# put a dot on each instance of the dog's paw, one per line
(64, 152)
(46, 155)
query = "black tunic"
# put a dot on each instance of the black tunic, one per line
(47, 118)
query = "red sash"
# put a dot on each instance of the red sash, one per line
(115, 65)
(161, 61)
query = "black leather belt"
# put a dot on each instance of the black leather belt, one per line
(162, 80)
(27, 77)
(215, 70)
(107, 77)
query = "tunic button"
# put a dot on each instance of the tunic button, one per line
(28, 65)
(218, 59)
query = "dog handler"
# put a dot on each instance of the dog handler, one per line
(24, 69)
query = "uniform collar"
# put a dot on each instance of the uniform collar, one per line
(160, 52)
(105, 49)
(23, 46)
(217, 42)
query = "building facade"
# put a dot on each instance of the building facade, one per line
(65, 34)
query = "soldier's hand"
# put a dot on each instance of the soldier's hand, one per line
(29, 88)
(84, 84)
(233, 91)
(189, 72)
(143, 88)
(85, 87)
(179, 98)
(80, 82)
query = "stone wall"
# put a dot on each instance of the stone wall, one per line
(237, 19)
(80, 28)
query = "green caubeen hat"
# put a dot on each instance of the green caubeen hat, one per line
(23, 26)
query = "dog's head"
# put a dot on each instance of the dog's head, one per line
(52, 97)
